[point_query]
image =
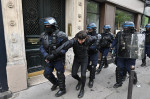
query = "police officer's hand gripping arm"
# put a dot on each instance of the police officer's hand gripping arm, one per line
(46, 56)
(63, 39)
(64, 47)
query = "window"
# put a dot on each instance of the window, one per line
(144, 21)
(93, 14)
(147, 10)
(121, 17)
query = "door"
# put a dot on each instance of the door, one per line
(3, 57)
(33, 11)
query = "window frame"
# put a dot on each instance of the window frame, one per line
(96, 13)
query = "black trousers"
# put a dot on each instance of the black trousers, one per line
(76, 64)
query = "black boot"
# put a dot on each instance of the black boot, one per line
(143, 62)
(79, 81)
(91, 82)
(81, 93)
(92, 76)
(61, 83)
(124, 74)
(106, 63)
(118, 78)
(101, 65)
(53, 80)
(78, 85)
(54, 87)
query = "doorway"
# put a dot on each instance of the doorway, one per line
(33, 11)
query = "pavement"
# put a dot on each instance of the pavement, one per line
(102, 89)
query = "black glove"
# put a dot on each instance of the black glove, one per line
(50, 57)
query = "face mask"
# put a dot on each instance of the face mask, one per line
(106, 31)
(49, 30)
(148, 30)
(126, 30)
(90, 31)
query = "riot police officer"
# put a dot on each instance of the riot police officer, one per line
(124, 60)
(105, 42)
(147, 44)
(51, 39)
(80, 45)
(93, 54)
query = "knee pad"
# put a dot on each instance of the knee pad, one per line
(46, 75)
(93, 66)
(60, 75)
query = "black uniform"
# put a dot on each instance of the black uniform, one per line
(93, 58)
(123, 63)
(147, 46)
(49, 43)
(105, 42)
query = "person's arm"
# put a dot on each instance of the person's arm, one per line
(65, 46)
(64, 39)
(115, 41)
(112, 37)
(44, 53)
(93, 47)
(96, 43)
(60, 50)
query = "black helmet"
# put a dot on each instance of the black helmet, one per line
(107, 28)
(128, 27)
(147, 27)
(50, 24)
(49, 21)
(91, 26)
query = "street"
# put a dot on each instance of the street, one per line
(102, 89)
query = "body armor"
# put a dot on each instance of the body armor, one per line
(106, 40)
(95, 46)
(53, 41)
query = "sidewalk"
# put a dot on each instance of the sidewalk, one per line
(102, 89)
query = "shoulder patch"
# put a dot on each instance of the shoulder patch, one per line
(61, 34)
(42, 34)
